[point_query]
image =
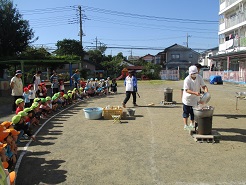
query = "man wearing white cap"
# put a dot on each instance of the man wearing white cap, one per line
(17, 87)
(192, 84)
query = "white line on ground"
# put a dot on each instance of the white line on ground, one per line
(153, 167)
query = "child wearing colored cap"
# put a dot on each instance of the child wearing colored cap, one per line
(44, 108)
(70, 96)
(6, 138)
(13, 145)
(20, 105)
(30, 116)
(54, 103)
(22, 126)
(33, 93)
(7, 124)
(36, 113)
(49, 104)
(26, 96)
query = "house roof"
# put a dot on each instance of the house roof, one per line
(175, 45)
(134, 67)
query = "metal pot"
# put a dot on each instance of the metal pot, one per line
(204, 112)
(205, 98)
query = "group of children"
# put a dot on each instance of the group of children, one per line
(99, 87)
(37, 105)
(29, 111)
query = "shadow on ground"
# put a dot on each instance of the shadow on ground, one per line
(236, 134)
(230, 116)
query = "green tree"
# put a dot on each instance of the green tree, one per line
(151, 70)
(69, 47)
(113, 66)
(15, 32)
(35, 53)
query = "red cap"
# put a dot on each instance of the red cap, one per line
(30, 86)
(26, 89)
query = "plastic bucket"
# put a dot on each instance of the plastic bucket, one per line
(93, 112)
(131, 112)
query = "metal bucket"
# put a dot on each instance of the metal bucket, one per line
(131, 112)
(168, 94)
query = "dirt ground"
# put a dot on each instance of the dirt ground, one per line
(150, 148)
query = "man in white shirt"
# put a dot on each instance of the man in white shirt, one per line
(17, 88)
(192, 84)
(131, 88)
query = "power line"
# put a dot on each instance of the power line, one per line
(139, 16)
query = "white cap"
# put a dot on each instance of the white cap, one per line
(192, 70)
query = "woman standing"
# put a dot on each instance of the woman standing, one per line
(36, 80)
(17, 88)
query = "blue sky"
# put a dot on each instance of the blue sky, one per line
(130, 23)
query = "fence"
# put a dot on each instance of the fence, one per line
(227, 76)
(169, 74)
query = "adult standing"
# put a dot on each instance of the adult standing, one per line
(131, 88)
(36, 80)
(191, 93)
(54, 83)
(76, 78)
(17, 88)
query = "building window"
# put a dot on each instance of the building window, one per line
(175, 56)
(191, 56)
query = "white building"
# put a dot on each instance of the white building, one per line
(232, 26)
(231, 57)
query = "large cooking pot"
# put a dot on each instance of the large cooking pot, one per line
(205, 98)
(203, 112)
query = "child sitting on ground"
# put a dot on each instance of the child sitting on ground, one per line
(36, 113)
(44, 108)
(113, 86)
(6, 138)
(21, 125)
(20, 105)
(54, 103)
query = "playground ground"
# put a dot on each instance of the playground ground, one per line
(150, 148)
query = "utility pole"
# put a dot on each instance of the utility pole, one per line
(187, 40)
(80, 26)
(80, 34)
(96, 43)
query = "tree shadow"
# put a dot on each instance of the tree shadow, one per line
(46, 171)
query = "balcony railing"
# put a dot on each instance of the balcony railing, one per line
(241, 17)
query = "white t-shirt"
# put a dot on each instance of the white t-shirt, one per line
(33, 94)
(193, 85)
(18, 86)
(36, 82)
(129, 83)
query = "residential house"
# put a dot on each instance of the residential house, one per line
(148, 58)
(205, 57)
(232, 40)
(177, 56)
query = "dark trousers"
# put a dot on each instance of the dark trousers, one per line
(14, 106)
(128, 95)
(54, 90)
